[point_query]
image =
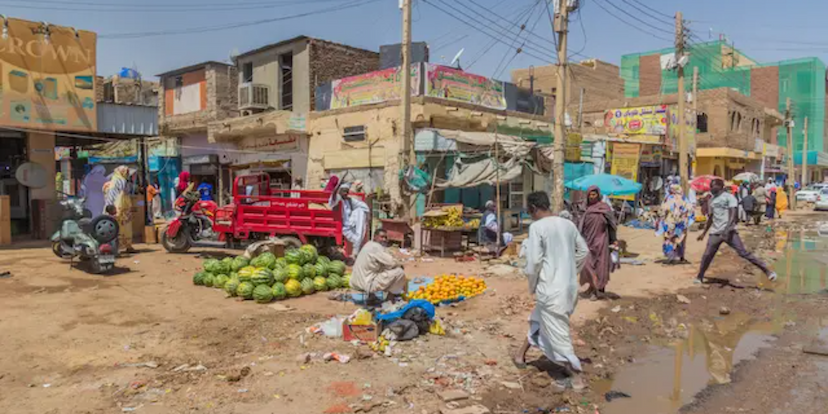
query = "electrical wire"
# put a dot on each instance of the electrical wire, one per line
(492, 44)
(497, 70)
(654, 10)
(216, 28)
(670, 21)
(633, 25)
(160, 9)
(621, 9)
(583, 32)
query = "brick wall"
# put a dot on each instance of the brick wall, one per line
(649, 75)
(330, 61)
(221, 82)
(764, 85)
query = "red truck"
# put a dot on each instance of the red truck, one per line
(257, 213)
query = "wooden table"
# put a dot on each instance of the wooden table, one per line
(397, 230)
(442, 240)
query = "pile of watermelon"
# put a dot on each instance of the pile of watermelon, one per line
(264, 278)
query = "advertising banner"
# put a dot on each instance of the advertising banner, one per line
(644, 120)
(374, 87)
(572, 149)
(689, 132)
(625, 158)
(456, 85)
(47, 77)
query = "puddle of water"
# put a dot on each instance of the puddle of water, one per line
(803, 265)
(666, 378)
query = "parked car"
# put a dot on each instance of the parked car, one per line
(822, 200)
(810, 193)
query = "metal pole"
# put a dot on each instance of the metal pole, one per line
(561, 22)
(791, 173)
(804, 181)
(682, 96)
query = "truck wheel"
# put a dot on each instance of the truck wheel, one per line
(291, 242)
(178, 244)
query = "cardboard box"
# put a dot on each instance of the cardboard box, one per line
(5, 221)
(151, 234)
(362, 333)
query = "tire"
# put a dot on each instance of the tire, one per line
(104, 229)
(58, 251)
(179, 244)
(291, 242)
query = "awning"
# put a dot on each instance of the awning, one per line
(725, 152)
(447, 140)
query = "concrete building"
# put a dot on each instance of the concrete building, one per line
(722, 66)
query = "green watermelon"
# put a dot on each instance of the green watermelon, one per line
(262, 294)
(238, 263)
(346, 281)
(246, 273)
(309, 271)
(262, 276)
(321, 269)
(198, 279)
(232, 286)
(324, 260)
(308, 256)
(208, 280)
(320, 284)
(280, 274)
(266, 259)
(293, 256)
(279, 291)
(307, 286)
(294, 271)
(245, 290)
(337, 267)
(334, 282)
(293, 288)
(281, 262)
(220, 280)
(226, 265)
(211, 265)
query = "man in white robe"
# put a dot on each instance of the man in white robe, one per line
(354, 217)
(555, 252)
(376, 270)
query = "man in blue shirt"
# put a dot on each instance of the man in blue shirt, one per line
(205, 189)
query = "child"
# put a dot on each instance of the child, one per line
(111, 210)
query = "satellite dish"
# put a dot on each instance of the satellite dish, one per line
(233, 54)
(456, 61)
(31, 175)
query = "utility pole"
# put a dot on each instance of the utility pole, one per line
(791, 174)
(682, 96)
(804, 181)
(561, 23)
(407, 138)
(696, 97)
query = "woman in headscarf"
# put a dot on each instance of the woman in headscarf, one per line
(675, 218)
(770, 210)
(117, 193)
(781, 200)
(92, 189)
(598, 227)
(183, 183)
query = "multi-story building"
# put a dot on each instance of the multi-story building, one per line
(802, 81)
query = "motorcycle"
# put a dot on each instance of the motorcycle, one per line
(193, 225)
(89, 239)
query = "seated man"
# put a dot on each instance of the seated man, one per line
(376, 270)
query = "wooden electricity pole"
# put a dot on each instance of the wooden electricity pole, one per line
(804, 181)
(682, 96)
(791, 173)
(696, 98)
(407, 136)
(561, 22)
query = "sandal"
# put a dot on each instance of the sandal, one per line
(518, 365)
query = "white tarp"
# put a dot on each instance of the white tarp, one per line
(511, 145)
(466, 175)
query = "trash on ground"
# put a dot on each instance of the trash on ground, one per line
(683, 299)
(612, 395)
(724, 310)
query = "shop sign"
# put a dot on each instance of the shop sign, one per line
(650, 155)
(200, 159)
(689, 132)
(455, 85)
(47, 76)
(284, 142)
(374, 87)
(572, 150)
(297, 122)
(644, 120)
(625, 159)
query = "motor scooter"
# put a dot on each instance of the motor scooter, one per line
(194, 224)
(92, 240)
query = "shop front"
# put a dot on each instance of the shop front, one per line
(723, 162)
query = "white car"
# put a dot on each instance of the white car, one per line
(822, 200)
(810, 193)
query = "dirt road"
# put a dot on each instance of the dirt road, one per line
(147, 341)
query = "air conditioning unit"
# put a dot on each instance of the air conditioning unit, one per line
(254, 96)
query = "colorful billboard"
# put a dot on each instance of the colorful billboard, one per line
(456, 85)
(47, 77)
(689, 132)
(644, 120)
(625, 158)
(373, 87)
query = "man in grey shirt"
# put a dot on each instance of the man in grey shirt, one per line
(722, 227)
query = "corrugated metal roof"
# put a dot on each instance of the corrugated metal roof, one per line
(127, 119)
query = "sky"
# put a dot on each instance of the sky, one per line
(603, 29)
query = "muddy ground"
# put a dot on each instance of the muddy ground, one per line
(147, 341)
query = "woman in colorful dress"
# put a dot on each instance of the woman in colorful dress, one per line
(676, 216)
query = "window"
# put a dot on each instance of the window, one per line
(247, 72)
(286, 66)
(354, 133)
(701, 122)
(179, 83)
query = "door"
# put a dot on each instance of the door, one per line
(18, 198)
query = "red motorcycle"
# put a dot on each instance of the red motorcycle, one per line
(194, 225)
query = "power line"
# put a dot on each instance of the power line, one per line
(492, 44)
(633, 25)
(497, 70)
(93, 8)
(217, 28)
(636, 18)
(664, 17)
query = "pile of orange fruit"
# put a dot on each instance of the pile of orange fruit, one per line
(449, 288)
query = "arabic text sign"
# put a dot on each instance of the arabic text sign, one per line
(374, 87)
(47, 82)
(625, 159)
(645, 120)
(270, 144)
(456, 85)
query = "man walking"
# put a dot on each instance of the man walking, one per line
(722, 227)
(555, 252)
